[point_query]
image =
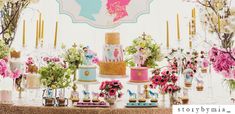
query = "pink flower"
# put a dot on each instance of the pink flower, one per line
(15, 74)
(156, 80)
(205, 63)
(112, 92)
(102, 86)
(3, 68)
(174, 78)
(101, 94)
(95, 60)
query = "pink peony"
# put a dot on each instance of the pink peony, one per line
(3, 68)
(112, 92)
(205, 63)
(174, 78)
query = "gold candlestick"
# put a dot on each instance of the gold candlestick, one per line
(56, 31)
(24, 33)
(42, 34)
(167, 35)
(178, 28)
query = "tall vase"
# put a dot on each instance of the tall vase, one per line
(173, 99)
(163, 100)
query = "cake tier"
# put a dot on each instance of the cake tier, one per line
(112, 53)
(33, 81)
(112, 38)
(113, 68)
(87, 74)
(139, 74)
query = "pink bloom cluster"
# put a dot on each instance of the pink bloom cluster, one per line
(111, 88)
(95, 60)
(173, 64)
(5, 72)
(51, 59)
(222, 62)
(29, 62)
(166, 81)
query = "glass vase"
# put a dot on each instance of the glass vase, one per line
(6, 91)
(110, 99)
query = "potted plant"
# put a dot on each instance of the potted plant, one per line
(150, 50)
(54, 76)
(110, 90)
(74, 58)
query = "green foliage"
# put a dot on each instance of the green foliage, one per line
(231, 84)
(4, 49)
(153, 51)
(73, 56)
(55, 76)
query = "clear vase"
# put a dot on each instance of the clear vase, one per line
(6, 91)
(110, 99)
(163, 100)
(232, 96)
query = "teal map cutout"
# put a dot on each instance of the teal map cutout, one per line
(89, 8)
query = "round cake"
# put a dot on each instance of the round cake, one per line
(113, 63)
(139, 74)
(87, 74)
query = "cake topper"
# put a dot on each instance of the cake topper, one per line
(90, 56)
(131, 94)
(154, 95)
(139, 57)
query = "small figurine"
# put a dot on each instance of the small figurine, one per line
(48, 97)
(61, 100)
(132, 96)
(89, 55)
(185, 98)
(95, 97)
(200, 83)
(146, 92)
(141, 97)
(188, 77)
(140, 57)
(74, 96)
(233, 100)
(154, 96)
(86, 97)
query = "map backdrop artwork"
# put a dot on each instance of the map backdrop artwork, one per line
(104, 13)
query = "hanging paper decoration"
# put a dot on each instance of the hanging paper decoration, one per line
(104, 13)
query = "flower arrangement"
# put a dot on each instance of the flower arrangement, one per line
(10, 11)
(54, 75)
(5, 72)
(191, 61)
(148, 49)
(224, 64)
(218, 16)
(111, 88)
(165, 81)
(73, 56)
(4, 50)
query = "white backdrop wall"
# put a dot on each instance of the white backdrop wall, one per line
(153, 24)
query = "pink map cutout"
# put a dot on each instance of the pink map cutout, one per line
(117, 7)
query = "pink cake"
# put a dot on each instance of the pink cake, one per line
(139, 74)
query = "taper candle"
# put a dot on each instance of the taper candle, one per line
(23, 33)
(167, 35)
(42, 31)
(40, 24)
(37, 35)
(178, 28)
(56, 30)
(189, 30)
(190, 44)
